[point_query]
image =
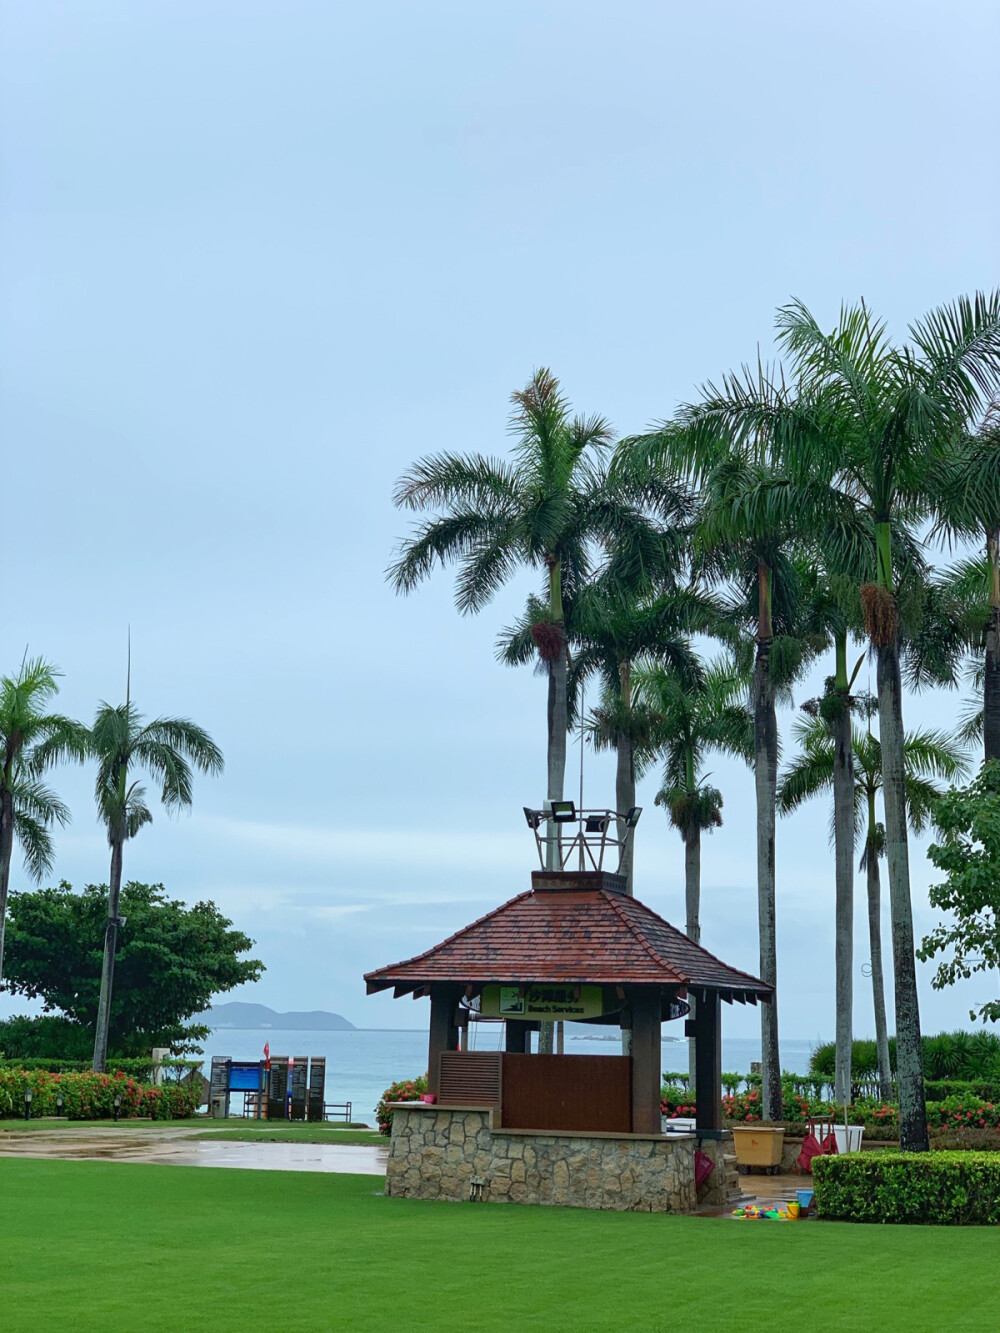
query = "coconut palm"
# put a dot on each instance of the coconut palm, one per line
(885, 418)
(927, 755)
(31, 740)
(125, 745)
(872, 423)
(550, 507)
(692, 717)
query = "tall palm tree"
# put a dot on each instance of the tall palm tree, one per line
(691, 718)
(927, 755)
(124, 744)
(31, 740)
(547, 508)
(885, 417)
(750, 516)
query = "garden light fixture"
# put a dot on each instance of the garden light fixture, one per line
(118, 1105)
(28, 1094)
(60, 1102)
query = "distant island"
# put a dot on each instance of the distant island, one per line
(242, 1016)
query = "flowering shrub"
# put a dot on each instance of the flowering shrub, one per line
(90, 1096)
(406, 1090)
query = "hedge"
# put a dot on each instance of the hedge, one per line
(933, 1188)
(141, 1069)
(90, 1096)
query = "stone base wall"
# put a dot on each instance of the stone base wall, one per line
(455, 1154)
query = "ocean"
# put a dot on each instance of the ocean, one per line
(361, 1064)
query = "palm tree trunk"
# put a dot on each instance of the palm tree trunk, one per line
(991, 673)
(765, 745)
(875, 945)
(692, 922)
(6, 853)
(557, 718)
(843, 835)
(625, 777)
(909, 1057)
(108, 970)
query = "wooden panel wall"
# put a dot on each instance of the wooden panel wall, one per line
(469, 1078)
(581, 1092)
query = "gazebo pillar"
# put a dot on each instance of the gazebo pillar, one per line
(646, 1073)
(516, 1037)
(708, 1062)
(443, 1032)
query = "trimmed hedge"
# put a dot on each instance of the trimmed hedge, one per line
(939, 1090)
(141, 1069)
(933, 1188)
(90, 1096)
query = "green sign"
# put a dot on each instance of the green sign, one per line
(542, 1002)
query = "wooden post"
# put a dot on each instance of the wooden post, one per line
(516, 1037)
(708, 1062)
(646, 1074)
(443, 1032)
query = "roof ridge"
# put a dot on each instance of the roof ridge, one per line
(404, 962)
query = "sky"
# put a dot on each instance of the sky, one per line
(258, 257)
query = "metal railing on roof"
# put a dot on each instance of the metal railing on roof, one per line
(596, 835)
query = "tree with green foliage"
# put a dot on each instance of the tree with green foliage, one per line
(31, 740)
(968, 854)
(929, 755)
(172, 959)
(551, 507)
(125, 744)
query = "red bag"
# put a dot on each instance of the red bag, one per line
(829, 1145)
(810, 1149)
(703, 1168)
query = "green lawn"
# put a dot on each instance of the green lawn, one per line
(90, 1245)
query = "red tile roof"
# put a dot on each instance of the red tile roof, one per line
(596, 935)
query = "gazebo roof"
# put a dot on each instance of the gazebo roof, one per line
(571, 927)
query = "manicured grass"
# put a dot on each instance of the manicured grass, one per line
(94, 1246)
(270, 1132)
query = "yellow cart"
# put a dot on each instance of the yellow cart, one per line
(758, 1146)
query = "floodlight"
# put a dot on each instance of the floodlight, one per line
(532, 817)
(563, 812)
(597, 824)
(632, 817)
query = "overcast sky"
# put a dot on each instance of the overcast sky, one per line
(258, 257)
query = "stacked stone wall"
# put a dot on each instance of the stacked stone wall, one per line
(457, 1155)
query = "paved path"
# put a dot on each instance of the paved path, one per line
(180, 1148)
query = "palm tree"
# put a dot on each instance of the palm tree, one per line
(124, 743)
(749, 516)
(883, 419)
(31, 740)
(927, 755)
(694, 716)
(547, 508)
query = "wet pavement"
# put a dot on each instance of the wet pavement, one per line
(180, 1147)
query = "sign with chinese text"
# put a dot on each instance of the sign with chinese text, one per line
(545, 1003)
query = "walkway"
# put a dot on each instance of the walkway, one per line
(180, 1147)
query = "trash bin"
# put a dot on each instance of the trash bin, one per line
(760, 1147)
(219, 1107)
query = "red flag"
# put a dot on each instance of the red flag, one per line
(267, 1055)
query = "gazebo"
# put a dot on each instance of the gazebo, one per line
(574, 947)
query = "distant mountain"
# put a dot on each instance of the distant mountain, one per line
(242, 1016)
